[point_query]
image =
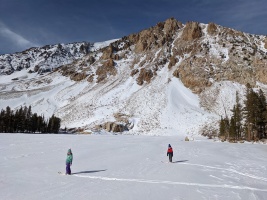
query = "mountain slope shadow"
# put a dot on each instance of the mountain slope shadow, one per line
(179, 161)
(88, 172)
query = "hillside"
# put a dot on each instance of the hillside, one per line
(172, 78)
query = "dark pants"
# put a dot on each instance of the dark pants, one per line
(170, 157)
(68, 170)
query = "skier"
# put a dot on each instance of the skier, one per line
(69, 162)
(170, 153)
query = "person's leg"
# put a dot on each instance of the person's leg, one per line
(68, 169)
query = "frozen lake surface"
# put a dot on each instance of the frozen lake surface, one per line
(130, 167)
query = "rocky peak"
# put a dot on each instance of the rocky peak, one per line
(191, 31)
(171, 26)
(212, 28)
(155, 36)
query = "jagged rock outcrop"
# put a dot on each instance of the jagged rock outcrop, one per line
(145, 75)
(108, 52)
(265, 41)
(212, 29)
(114, 127)
(173, 61)
(191, 31)
(106, 69)
(155, 36)
(91, 60)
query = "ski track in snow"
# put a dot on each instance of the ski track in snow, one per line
(230, 170)
(225, 186)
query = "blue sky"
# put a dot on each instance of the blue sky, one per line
(28, 23)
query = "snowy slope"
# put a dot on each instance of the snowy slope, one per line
(155, 109)
(164, 107)
(130, 167)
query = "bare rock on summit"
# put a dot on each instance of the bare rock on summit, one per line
(172, 25)
(191, 31)
(155, 36)
(212, 28)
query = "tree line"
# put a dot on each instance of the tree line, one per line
(248, 122)
(24, 121)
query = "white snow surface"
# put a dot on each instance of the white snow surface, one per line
(130, 167)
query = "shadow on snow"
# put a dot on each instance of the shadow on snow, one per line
(88, 172)
(179, 161)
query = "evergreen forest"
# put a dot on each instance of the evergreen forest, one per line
(248, 120)
(24, 121)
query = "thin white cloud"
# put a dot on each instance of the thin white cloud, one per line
(14, 38)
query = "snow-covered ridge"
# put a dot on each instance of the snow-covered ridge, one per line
(47, 58)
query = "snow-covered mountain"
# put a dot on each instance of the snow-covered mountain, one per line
(43, 59)
(169, 79)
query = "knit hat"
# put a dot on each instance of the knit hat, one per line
(69, 151)
(169, 145)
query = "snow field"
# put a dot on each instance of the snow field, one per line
(130, 167)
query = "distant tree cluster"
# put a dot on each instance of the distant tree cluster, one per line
(248, 122)
(24, 121)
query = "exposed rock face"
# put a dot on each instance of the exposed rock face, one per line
(134, 71)
(191, 31)
(171, 26)
(108, 52)
(155, 36)
(144, 75)
(212, 28)
(114, 127)
(176, 73)
(91, 60)
(265, 46)
(173, 61)
(68, 70)
(106, 69)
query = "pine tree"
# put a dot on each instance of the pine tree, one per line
(7, 119)
(249, 111)
(2, 121)
(232, 129)
(261, 113)
(222, 128)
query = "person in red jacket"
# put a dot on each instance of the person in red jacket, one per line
(170, 153)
